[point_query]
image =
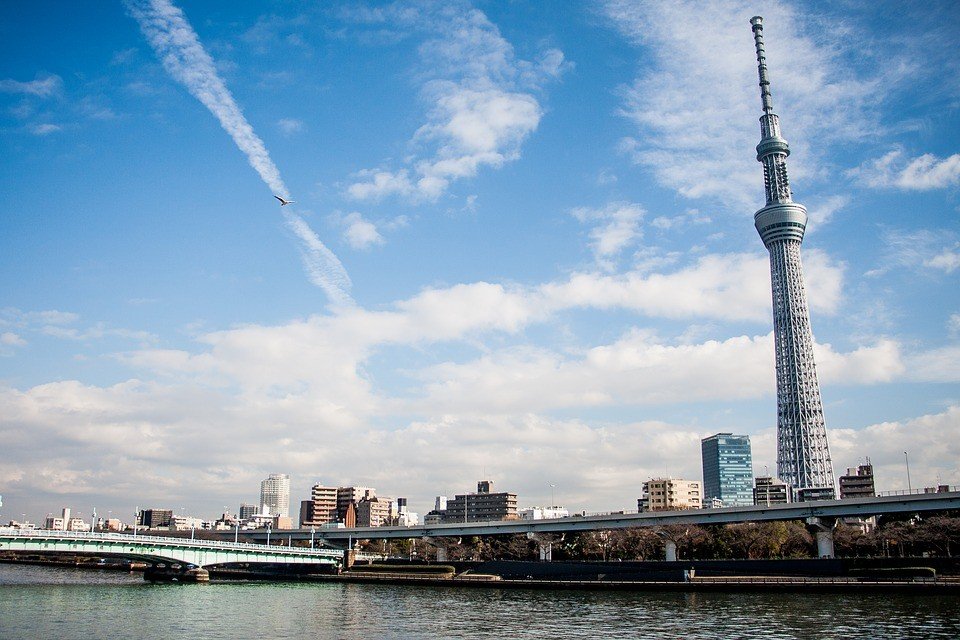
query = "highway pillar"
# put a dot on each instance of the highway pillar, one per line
(441, 549)
(669, 550)
(822, 529)
(349, 557)
(544, 544)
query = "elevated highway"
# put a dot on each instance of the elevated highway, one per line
(816, 514)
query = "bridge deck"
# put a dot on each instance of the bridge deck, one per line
(851, 508)
(155, 549)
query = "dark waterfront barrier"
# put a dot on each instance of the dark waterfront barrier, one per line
(884, 568)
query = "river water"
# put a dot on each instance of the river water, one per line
(53, 603)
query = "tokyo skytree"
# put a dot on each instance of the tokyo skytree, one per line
(803, 456)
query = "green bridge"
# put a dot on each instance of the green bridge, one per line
(161, 551)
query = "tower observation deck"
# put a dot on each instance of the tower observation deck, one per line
(803, 456)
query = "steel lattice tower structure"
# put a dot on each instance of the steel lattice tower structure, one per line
(803, 456)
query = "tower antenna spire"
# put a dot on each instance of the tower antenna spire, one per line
(765, 97)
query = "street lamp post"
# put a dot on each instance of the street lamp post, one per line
(136, 520)
(313, 533)
(906, 460)
(268, 534)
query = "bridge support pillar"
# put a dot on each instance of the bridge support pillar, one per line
(669, 550)
(544, 543)
(440, 548)
(349, 557)
(182, 574)
(822, 529)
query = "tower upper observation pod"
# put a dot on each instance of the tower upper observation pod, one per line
(782, 217)
(803, 456)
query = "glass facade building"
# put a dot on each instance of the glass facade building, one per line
(727, 469)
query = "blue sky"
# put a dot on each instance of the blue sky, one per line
(522, 245)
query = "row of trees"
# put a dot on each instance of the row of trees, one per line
(934, 535)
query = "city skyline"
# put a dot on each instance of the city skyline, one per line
(548, 273)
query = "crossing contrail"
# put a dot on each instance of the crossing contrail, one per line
(183, 56)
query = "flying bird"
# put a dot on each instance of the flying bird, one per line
(283, 202)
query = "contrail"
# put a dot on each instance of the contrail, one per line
(179, 49)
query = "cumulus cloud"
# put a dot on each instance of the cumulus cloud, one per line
(481, 101)
(183, 56)
(896, 171)
(359, 232)
(263, 385)
(932, 441)
(309, 393)
(722, 286)
(689, 104)
(638, 369)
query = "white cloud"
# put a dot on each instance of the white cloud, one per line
(947, 260)
(923, 173)
(45, 129)
(41, 87)
(183, 56)
(481, 101)
(48, 317)
(936, 365)
(932, 441)
(820, 212)
(266, 385)
(10, 339)
(919, 249)
(953, 324)
(290, 126)
(618, 227)
(688, 217)
(692, 103)
(606, 178)
(723, 286)
(360, 233)
(636, 370)
(377, 184)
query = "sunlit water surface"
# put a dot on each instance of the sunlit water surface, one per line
(58, 603)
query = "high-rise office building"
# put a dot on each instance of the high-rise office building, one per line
(727, 470)
(803, 456)
(275, 495)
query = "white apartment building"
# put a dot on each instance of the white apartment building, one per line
(670, 494)
(542, 513)
(275, 495)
